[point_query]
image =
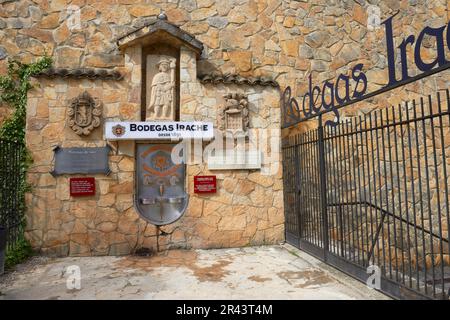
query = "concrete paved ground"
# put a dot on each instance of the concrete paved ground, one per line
(269, 272)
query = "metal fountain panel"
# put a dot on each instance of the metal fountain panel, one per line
(160, 196)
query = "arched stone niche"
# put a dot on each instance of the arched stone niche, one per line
(161, 45)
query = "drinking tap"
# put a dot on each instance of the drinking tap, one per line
(161, 191)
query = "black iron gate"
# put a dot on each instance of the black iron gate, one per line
(374, 191)
(11, 197)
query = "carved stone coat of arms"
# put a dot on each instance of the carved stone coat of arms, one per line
(234, 115)
(84, 114)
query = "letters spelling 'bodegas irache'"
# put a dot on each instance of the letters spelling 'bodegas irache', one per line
(168, 127)
(329, 97)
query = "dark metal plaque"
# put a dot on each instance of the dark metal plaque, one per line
(81, 160)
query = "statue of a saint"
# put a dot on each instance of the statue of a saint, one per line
(82, 115)
(162, 91)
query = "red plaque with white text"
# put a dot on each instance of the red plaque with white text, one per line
(82, 187)
(205, 184)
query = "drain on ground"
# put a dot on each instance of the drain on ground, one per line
(144, 252)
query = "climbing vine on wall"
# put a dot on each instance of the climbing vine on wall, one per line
(14, 87)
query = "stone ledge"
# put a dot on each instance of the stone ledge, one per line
(90, 73)
(237, 79)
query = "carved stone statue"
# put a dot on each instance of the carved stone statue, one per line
(84, 114)
(162, 92)
(233, 116)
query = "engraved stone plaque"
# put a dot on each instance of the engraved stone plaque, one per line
(234, 160)
(81, 160)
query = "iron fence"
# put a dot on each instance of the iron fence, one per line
(374, 190)
(11, 197)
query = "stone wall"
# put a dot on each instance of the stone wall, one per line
(5, 112)
(247, 208)
(57, 223)
(284, 40)
(279, 38)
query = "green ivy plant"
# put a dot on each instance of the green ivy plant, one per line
(22, 251)
(14, 87)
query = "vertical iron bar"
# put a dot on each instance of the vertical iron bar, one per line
(355, 224)
(299, 167)
(342, 189)
(310, 186)
(330, 211)
(296, 189)
(381, 226)
(392, 183)
(287, 181)
(323, 187)
(315, 180)
(311, 236)
(407, 210)
(301, 186)
(444, 164)
(294, 201)
(416, 245)
(370, 244)
(383, 146)
(337, 191)
(364, 190)
(405, 185)
(427, 176)
(348, 186)
(422, 218)
(360, 220)
(348, 207)
(319, 174)
(436, 175)
(375, 240)
(329, 184)
(305, 194)
(294, 226)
